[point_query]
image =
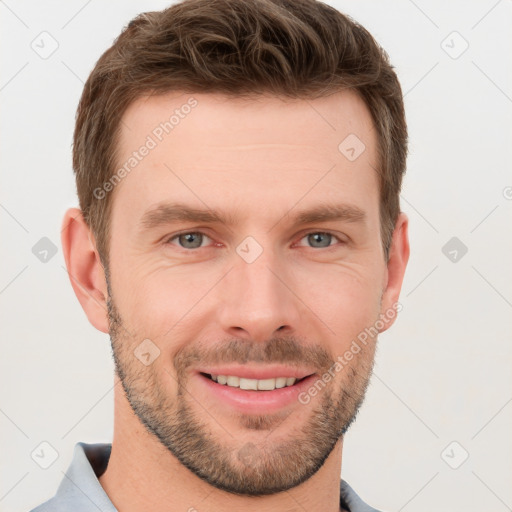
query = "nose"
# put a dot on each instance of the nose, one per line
(257, 300)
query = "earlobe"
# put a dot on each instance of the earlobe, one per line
(396, 265)
(85, 270)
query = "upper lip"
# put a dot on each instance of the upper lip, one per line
(258, 372)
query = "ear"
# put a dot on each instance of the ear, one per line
(398, 258)
(85, 269)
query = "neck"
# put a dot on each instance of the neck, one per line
(142, 475)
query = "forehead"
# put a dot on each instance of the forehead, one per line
(220, 120)
(263, 152)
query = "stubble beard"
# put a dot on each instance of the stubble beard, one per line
(279, 460)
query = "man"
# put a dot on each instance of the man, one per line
(239, 236)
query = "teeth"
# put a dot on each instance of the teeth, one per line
(248, 384)
(266, 384)
(254, 384)
(281, 382)
(233, 381)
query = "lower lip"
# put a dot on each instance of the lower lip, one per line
(256, 402)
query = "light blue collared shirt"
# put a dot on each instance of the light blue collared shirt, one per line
(81, 491)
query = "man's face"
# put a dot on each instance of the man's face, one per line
(262, 294)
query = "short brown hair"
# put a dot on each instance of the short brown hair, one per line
(301, 49)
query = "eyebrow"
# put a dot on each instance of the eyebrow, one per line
(167, 213)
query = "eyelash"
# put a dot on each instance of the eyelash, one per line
(169, 240)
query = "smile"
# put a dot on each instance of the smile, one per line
(253, 384)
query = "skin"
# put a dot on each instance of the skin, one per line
(261, 160)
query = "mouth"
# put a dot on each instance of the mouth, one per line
(253, 391)
(269, 384)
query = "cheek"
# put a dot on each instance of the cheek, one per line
(158, 299)
(339, 299)
(344, 298)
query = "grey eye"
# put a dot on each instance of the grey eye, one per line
(190, 240)
(319, 239)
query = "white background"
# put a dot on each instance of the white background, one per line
(442, 372)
